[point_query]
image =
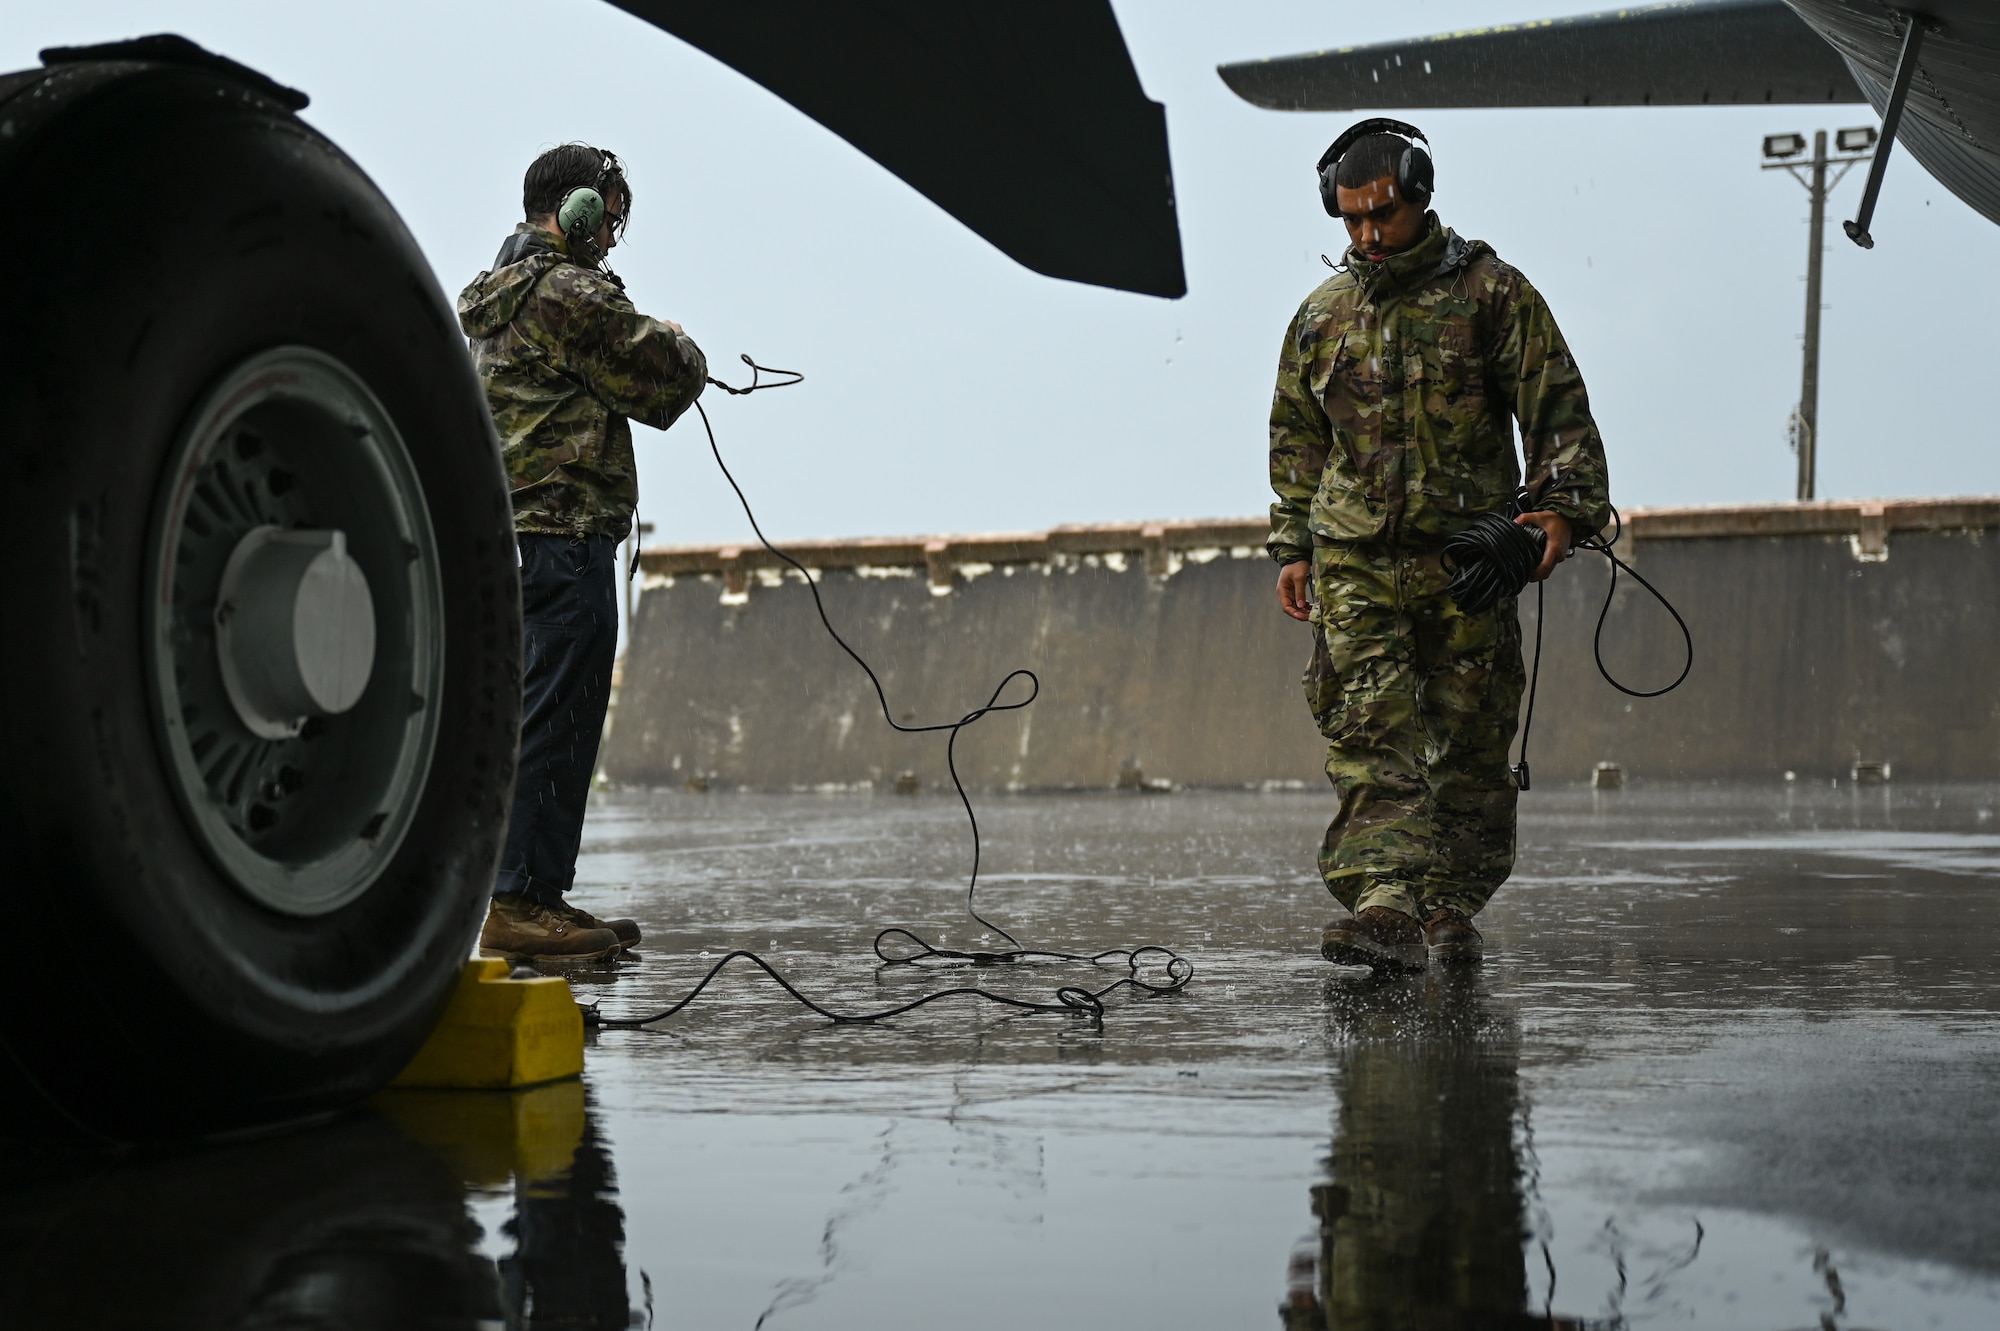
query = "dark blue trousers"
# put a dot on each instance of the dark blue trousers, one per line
(569, 640)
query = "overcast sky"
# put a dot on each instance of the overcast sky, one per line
(950, 390)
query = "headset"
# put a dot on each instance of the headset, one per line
(583, 209)
(1416, 177)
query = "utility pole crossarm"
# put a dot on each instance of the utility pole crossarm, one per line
(1801, 171)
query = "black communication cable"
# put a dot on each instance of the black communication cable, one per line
(1069, 998)
(1492, 559)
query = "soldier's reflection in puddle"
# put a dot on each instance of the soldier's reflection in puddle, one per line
(1422, 1222)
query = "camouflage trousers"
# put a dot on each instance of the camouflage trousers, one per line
(1419, 702)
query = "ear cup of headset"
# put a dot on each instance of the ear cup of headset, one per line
(581, 212)
(1416, 175)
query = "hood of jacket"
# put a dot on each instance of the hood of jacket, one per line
(492, 300)
(1438, 253)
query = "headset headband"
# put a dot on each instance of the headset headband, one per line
(1378, 125)
(608, 169)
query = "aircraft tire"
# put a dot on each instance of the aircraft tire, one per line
(234, 903)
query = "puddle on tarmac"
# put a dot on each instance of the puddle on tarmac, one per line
(1733, 1062)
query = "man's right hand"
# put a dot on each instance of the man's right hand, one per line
(1294, 580)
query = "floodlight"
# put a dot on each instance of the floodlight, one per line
(1854, 140)
(1784, 145)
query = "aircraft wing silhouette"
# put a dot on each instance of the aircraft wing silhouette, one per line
(1692, 53)
(1708, 52)
(1024, 119)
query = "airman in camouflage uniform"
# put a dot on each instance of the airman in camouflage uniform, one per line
(568, 363)
(1390, 431)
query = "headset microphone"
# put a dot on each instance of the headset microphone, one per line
(1416, 175)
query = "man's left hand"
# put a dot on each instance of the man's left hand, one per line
(1556, 548)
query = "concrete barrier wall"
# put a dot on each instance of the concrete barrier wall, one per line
(1825, 634)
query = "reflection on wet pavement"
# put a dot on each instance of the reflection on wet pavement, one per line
(361, 1223)
(1733, 1061)
(1422, 1222)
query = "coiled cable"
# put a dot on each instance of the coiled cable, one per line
(1492, 559)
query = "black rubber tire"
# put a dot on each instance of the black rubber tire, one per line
(181, 223)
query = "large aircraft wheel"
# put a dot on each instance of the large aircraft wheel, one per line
(263, 629)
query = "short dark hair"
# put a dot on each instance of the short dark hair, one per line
(561, 169)
(1370, 158)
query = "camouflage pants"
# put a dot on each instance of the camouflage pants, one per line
(1420, 702)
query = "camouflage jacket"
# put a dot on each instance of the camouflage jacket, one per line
(566, 360)
(1395, 386)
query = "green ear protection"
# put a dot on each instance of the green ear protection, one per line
(581, 212)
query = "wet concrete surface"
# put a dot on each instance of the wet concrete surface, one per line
(1733, 1061)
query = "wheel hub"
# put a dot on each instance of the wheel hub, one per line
(295, 629)
(296, 634)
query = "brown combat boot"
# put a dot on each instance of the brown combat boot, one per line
(1451, 936)
(524, 930)
(627, 930)
(1379, 937)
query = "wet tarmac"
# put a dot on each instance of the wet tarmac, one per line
(1733, 1061)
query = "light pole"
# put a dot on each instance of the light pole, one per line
(1854, 146)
